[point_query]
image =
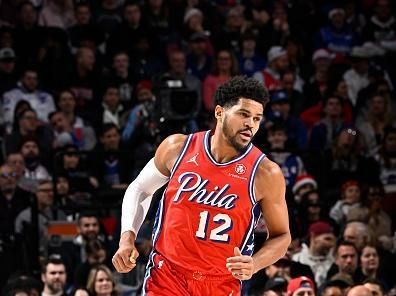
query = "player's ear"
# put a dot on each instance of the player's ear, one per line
(218, 111)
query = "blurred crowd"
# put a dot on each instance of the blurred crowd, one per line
(89, 88)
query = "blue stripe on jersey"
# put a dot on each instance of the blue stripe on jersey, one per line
(150, 265)
(160, 210)
(251, 180)
(247, 246)
(207, 150)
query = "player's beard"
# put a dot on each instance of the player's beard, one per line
(232, 138)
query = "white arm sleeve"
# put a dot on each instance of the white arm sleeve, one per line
(137, 198)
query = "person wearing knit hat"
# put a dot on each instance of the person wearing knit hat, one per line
(318, 254)
(278, 62)
(303, 183)
(301, 286)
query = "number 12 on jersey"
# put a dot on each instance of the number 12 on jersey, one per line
(219, 233)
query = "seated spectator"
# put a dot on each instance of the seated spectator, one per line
(101, 282)
(225, 66)
(359, 290)
(379, 117)
(57, 14)
(325, 131)
(64, 133)
(375, 287)
(301, 286)
(346, 261)
(278, 63)
(296, 98)
(290, 163)
(44, 205)
(337, 36)
(74, 165)
(318, 255)
(199, 62)
(112, 163)
(111, 110)
(8, 77)
(250, 61)
(350, 199)
(96, 254)
(53, 276)
(32, 155)
(303, 184)
(330, 289)
(279, 113)
(27, 89)
(386, 157)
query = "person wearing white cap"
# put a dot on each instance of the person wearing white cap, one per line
(278, 62)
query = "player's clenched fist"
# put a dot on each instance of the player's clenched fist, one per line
(124, 260)
(240, 266)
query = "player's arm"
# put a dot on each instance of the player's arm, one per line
(138, 197)
(270, 190)
(269, 186)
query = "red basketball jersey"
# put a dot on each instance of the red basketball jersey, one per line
(207, 208)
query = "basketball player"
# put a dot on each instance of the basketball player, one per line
(203, 235)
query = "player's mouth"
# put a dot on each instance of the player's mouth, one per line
(246, 135)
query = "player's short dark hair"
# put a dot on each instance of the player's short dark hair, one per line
(375, 282)
(229, 93)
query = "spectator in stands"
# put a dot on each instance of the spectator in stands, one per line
(225, 66)
(96, 254)
(44, 205)
(101, 282)
(278, 63)
(28, 35)
(346, 260)
(80, 292)
(379, 116)
(290, 163)
(8, 77)
(17, 163)
(318, 255)
(381, 27)
(74, 164)
(375, 287)
(279, 113)
(111, 110)
(35, 170)
(84, 81)
(53, 276)
(325, 131)
(13, 200)
(122, 39)
(64, 133)
(250, 60)
(357, 233)
(67, 105)
(27, 89)
(121, 77)
(329, 289)
(303, 184)
(112, 163)
(296, 98)
(386, 157)
(301, 286)
(359, 290)
(337, 36)
(84, 27)
(199, 62)
(311, 209)
(350, 199)
(108, 16)
(58, 14)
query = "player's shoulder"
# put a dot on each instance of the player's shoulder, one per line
(269, 169)
(169, 150)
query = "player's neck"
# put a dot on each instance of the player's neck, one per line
(220, 148)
